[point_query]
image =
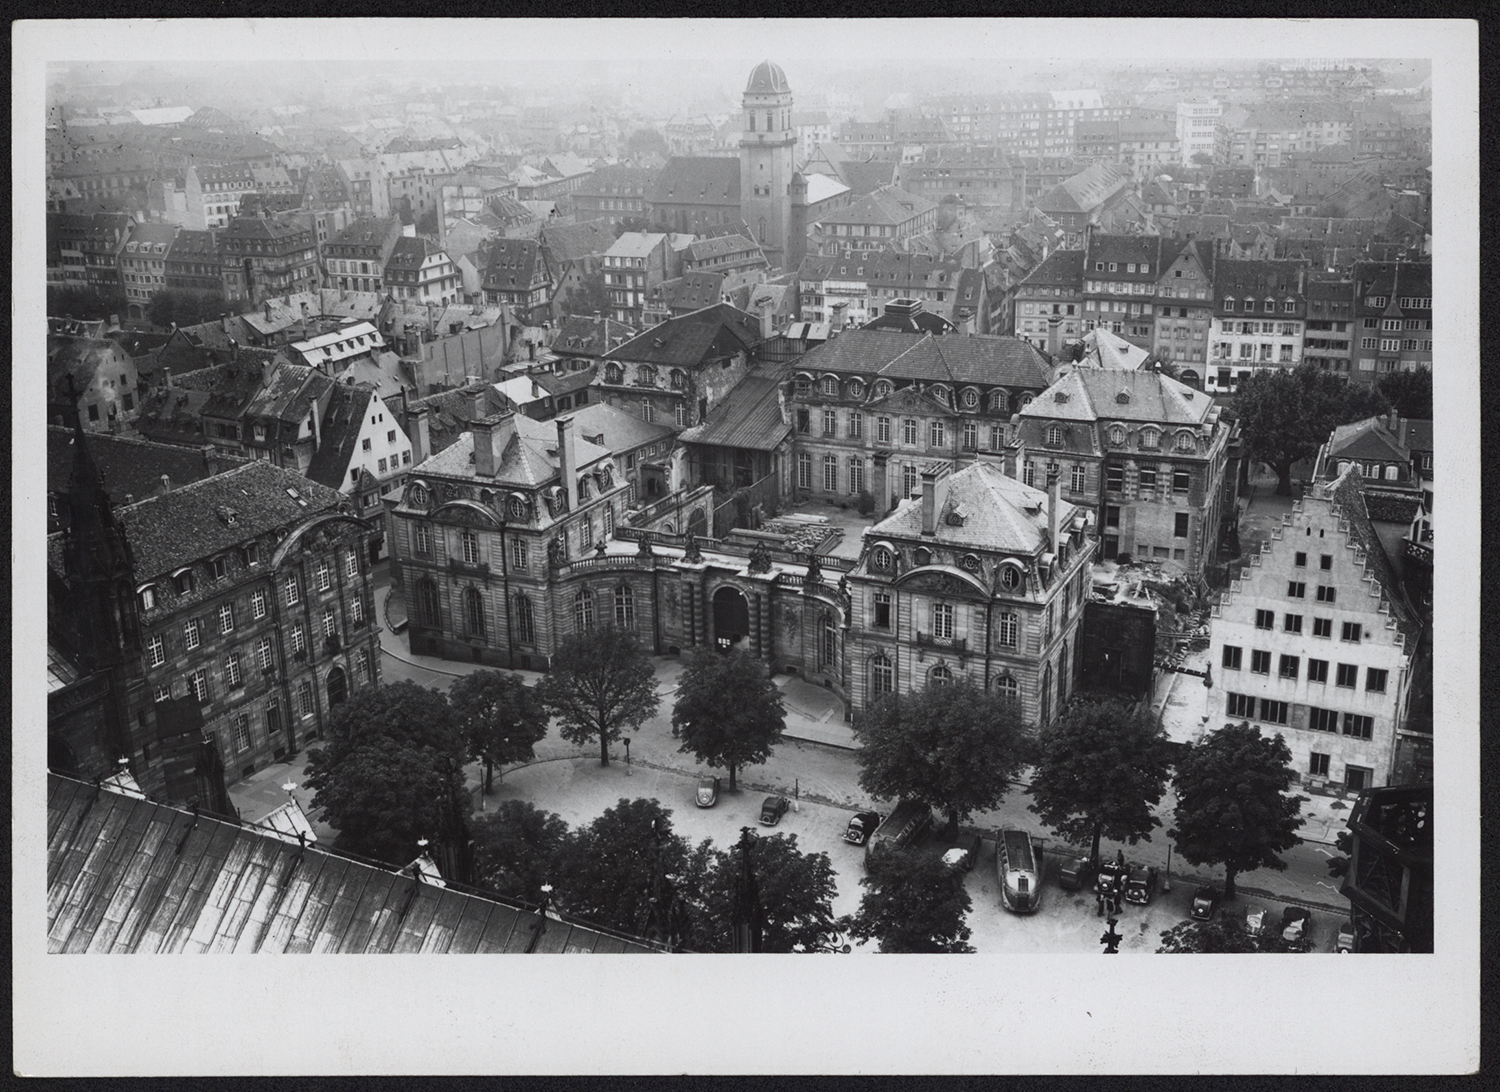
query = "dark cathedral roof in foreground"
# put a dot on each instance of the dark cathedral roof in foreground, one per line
(126, 874)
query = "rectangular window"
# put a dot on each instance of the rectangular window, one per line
(1260, 661)
(1326, 594)
(1292, 623)
(1360, 727)
(804, 470)
(1114, 479)
(299, 638)
(1375, 680)
(1347, 674)
(909, 432)
(1296, 589)
(265, 654)
(1146, 477)
(242, 732)
(258, 604)
(1007, 629)
(942, 621)
(883, 430)
(1180, 525)
(1273, 712)
(882, 610)
(198, 684)
(830, 423)
(1322, 720)
(156, 651)
(232, 670)
(1239, 705)
(1265, 619)
(518, 554)
(1179, 480)
(1233, 657)
(1300, 560)
(323, 576)
(191, 634)
(937, 435)
(1317, 765)
(293, 590)
(328, 622)
(586, 533)
(971, 436)
(856, 426)
(1322, 627)
(831, 474)
(305, 699)
(1290, 666)
(1351, 632)
(470, 544)
(1317, 671)
(351, 564)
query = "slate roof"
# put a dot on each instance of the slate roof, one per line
(129, 466)
(520, 256)
(767, 78)
(288, 394)
(886, 205)
(348, 406)
(1092, 395)
(988, 359)
(373, 232)
(635, 244)
(698, 180)
(584, 335)
(1348, 496)
(1367, 439)
(1415, 435)
(614, 429)
(1064, 267)
(691, 291)
(688, 340)
(1084, 191)
(127, 874)
(1234, 277)
(410, 252)
(1123, 250)
(749, 417)
(172, 530)
(574, 242)
(567, 382)
(997, 516)
(449, 413)
(701, 249)
(528, 457)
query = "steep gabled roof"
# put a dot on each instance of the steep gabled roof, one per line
(1367, 439)
(698, 180)
(749, 416)
(348, 406)
(1089, 394)
(1348, 498)
(688, 340)
(584, 335)
(998, 514)
(575, 242)
(129, 467)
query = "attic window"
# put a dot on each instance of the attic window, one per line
(229, 517)
(1123, 398)
(1060, 396)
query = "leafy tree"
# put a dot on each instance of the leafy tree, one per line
(515, 849)
(1409, 393)
(170, 305)
(601, 680)
(1101, 771)
(627, 870)
(1224, 936)
(85, 304)
(1203, 159)
(502, 719)
(951, 746)
(392, 772)
(728, 710)
(796, 892)
(1285, 415)
(646, 141)
(1338, 865)
(1233, 807)
(913, 902)
(587, 296)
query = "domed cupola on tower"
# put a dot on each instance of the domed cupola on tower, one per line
(766, 167)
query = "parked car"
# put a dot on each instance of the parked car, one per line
(908, 824)
(1140, 885)
(861, 827)
(1111, 878)
(1074, 873)
(708, 792)
(1256, 920)
(965, 853)
(1205, 902)
(1296, 923)
(773, 809)
(1345, 942)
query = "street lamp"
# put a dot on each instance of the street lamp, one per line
(627, 756)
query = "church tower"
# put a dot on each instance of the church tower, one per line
(766, 166)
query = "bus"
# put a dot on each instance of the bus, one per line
(1017, 868)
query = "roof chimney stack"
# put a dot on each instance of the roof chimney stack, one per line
(166, 483)
(929, 502)
(1054, 507)
(484, 444)
(567, 460)
(417, 428)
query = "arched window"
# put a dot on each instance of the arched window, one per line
(1150, 438)
(882, 678)
(525, 621)
(646, 375)
(470, 543)
(831, 386)
(427, 612)
(1010, 577)
(940, 675)
(1000, 402)
(679, 379)
(613, 373)
(1008, 688)
(474, 612)
(625, 607)
(1185, 441)
(583, 611)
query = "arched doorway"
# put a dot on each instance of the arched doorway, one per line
(338, 687)
(731, 618)
(698, 523)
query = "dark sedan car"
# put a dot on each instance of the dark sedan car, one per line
(773, 809)
(1205, 902)
(1296, 923)
(861, 827)
(965, 853)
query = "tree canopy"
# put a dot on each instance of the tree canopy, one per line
(913, 902)
(1409, 393)
(1101, 771)
(391, 772)
(951, 746)
(728, 711)
(795, 889)
(601, 680)
(85, 304)
(645, 141)
(176, 307)
(516, 848)
(587, 297)
(501, 718)
(627, 870)
(1233, 804)
(1285, 415)
(1223, 936)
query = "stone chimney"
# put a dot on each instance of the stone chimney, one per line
(166, 483)
(880, 488)
(166, 378)
(767, 328)
(210, 462)
(1393, 422)
(417, 425)
(268, 310)
(567, 460)
(477, 404)
(929, 503)
(485, 430)
(1054, 507)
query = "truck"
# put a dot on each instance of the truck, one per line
(907, 825)
(1017, 869)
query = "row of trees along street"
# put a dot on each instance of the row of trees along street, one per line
(391, 775)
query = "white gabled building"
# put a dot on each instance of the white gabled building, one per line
(1314, 640)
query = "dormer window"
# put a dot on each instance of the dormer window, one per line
(882, 389)
(880, 559)
(1117, 434)
(1185, 441)
(831, 386)
(183, 582)
(856, 388)
(1054, 436)
(921, 556)
(1010, 577)
(148, 597)
(1150, 438)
